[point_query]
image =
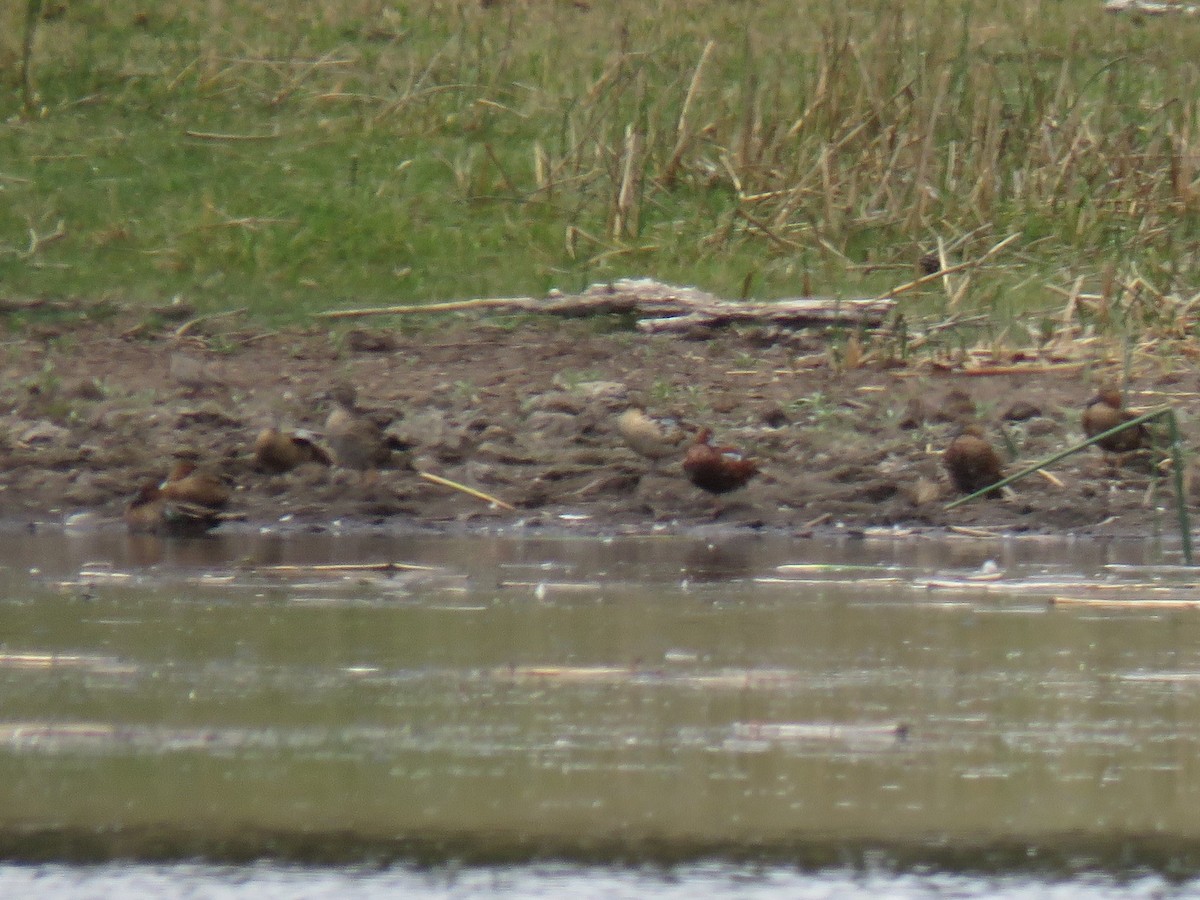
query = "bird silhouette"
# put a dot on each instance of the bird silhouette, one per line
(717, 470)
(281, 451)
(188, 483)
(971, 461)
(1106, 410)
(149, 512)
(357, 441)
(649, 437)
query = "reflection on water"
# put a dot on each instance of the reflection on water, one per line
(711, 881)
(637, 699)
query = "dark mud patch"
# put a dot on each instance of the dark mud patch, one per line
(527, 412)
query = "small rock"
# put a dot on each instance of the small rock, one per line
(956, 406)
(362, 341)
(602, 390)
(89, 520)
(420, 429)
(588, 457)
(210, 413)
(620, 483)
(914, 414)
(923, 491)
(724, 403)
(1040, 427)
(480, 473)
(557, 401)
(175, 311)
(550, 426)
(1020, 410)
(194, 374)
(43, 434)
(87, 389)
(490, 451)
(774, 416)
(698, 332)
(495, 433)
(879, 491)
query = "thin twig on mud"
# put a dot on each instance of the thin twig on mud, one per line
(518, 303)
(446, 482)
(1021, 369)
(186, 327)
(233, 138)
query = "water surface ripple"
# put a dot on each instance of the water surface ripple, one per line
(888, 705)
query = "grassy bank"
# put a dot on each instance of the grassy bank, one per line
(294, 156)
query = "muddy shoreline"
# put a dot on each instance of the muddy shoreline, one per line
(526, 411)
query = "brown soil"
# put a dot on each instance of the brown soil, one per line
(526, 412)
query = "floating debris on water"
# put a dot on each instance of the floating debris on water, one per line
(842, 732)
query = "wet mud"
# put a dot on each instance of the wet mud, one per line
(528, 412)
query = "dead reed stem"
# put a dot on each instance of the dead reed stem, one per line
(960, 267)
(446, 482)
(683, 130)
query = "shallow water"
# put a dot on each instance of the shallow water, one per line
(714, 881)
(898, 707)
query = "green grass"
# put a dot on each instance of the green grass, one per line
(404, 152)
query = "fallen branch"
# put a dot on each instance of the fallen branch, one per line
(662, 307)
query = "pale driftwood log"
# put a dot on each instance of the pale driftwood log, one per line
(662, 307)
(346, 567)
(1150, 8)
(794, 312)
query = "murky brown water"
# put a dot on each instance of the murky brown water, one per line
(643, 699)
